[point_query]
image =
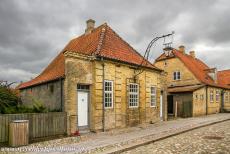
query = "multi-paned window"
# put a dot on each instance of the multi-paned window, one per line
(217, 95)
(176, 75)
(153, 96)
(226, 97)
(108, 94)
(196, 96)
(201, 97)
(211, 96)
(133, 95)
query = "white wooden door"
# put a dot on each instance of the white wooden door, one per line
(82, 108)
(161, 106)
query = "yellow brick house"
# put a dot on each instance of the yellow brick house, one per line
(193, 88)
(101, 82)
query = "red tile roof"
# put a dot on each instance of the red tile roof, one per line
(196, 66)
(104, 42)
(55, 70)
(101, 42)
(224, 77)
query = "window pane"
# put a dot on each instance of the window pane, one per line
(108, 94)
(178, 75)
(174, 75)
(133, 95)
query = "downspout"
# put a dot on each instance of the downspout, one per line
(61, 95)
(206, 88)
(103, 107)
(222, 101)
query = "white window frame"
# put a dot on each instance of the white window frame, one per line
(108, 92)
(217, 96)
(153, 104)
(212, 96)
(176, 75)
(134, 93)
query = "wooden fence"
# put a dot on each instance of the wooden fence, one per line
(40, 124)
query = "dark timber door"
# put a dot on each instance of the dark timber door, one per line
(187, 109)
(170, 104)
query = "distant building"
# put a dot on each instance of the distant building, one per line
(193, 88)
(96, 80)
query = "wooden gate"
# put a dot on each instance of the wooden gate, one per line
(187, 109)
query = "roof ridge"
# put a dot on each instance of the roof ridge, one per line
(101, 39)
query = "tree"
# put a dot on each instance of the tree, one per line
(8, 97)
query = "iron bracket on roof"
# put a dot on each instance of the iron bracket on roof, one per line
(147, 51)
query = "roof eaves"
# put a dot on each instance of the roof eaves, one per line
(42, 82)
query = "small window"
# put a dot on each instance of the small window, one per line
(176, 75)
(211, 96)
(83, 87)
(165, 63)
(108, 94)
(229, 97)
(217, 95)
(133, 95)
(202, 97)
(196, 96)
(153, 97)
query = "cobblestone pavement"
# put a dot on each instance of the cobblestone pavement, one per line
(111, 141)
(209, 139)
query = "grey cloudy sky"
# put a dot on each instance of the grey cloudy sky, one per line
(33, 32)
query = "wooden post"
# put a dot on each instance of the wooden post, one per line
(176, 109)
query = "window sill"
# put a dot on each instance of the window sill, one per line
(107, 108)
(133, 107)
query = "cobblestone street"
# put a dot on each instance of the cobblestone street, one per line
(209, 139)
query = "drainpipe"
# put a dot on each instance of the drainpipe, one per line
(206, 88)
(103, 107)
(61, 95)
(222, 101)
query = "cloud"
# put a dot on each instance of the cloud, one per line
(11, 74)
(33, 33)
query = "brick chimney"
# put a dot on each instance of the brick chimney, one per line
(192, 53)
(89, 26)
(182, 49)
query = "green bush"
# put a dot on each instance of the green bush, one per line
(38, 106)
(10, 103)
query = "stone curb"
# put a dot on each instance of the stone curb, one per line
(133, 146)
